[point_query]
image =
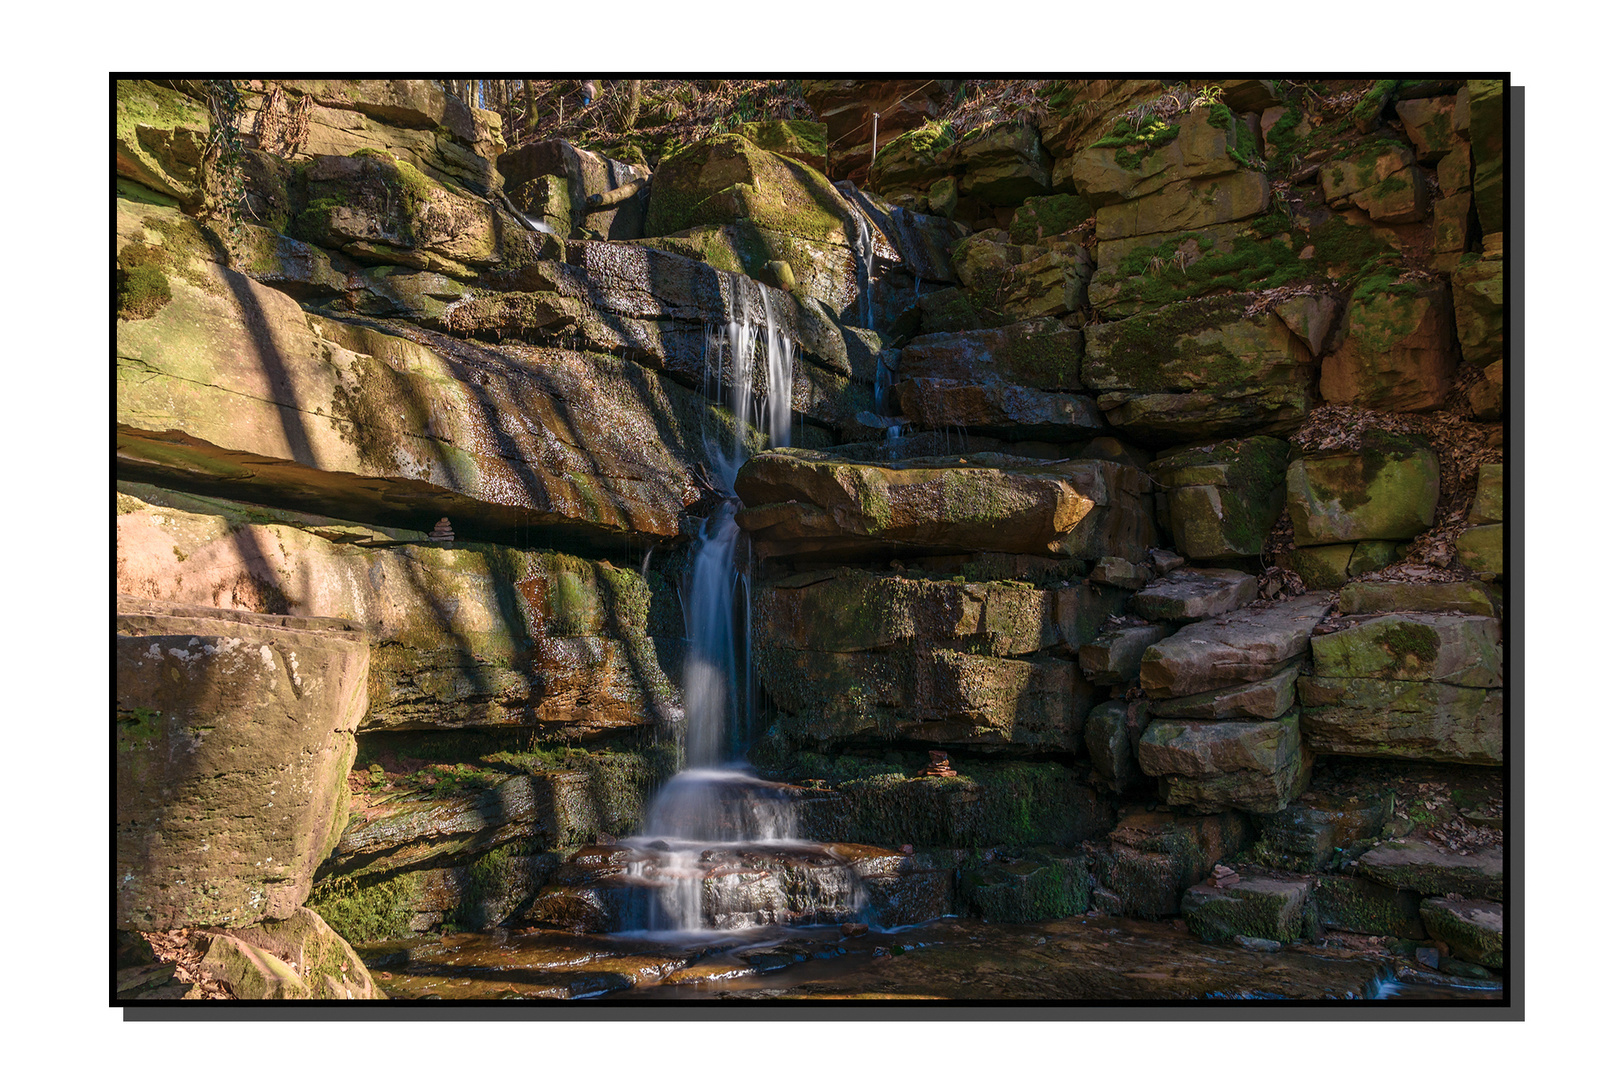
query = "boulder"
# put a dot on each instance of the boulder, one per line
(1489, 501)
(1242, 647)
(1380, 178)
(1411, 721)
(234, 736)
(1044, 216)
(994, 407)
(1152, 857)
(1003, 283)
(1463, 650)
(1184, 595)
(1474, 930)
(725, 179)
(1036, 887)
(1425, 868)
(1190, 204)
(1481, 551)
(1001, 164)
(1396, 354)
(800, 140)
(1198, 370)
(1464, 597)
(562, 184)
(1224, 498)
(1430, 125)
(1324, 567)
(1486, 397)
(1265, 699)
(1387, 490)
(1272, 906)
(1211, 766)
(1452, 220)
(294, 958)
(1113, 658)
(1124, 164)
(802, 501)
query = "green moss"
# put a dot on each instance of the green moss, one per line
(1160, 275)
(1281, 144)
(143, 290)
(1405, 640)
(1134, 145)
(374, 910)
(1049, 215)
(1375, 98)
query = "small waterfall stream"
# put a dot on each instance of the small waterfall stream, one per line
(710, 828)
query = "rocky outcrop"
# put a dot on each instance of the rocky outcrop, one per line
(1223, 499)
(234, 735)
(294, 958)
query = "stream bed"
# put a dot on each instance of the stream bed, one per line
(1085, 958)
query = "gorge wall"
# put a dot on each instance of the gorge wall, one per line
(1147, 461)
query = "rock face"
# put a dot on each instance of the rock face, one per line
(799, 501)
(295, 958)
(234, 736)
(1396, 353)
(1226, 764)
(534, 638)
(1224, 499)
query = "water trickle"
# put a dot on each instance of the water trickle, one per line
(866, 251)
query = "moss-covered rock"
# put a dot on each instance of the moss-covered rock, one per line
(727, 179)
(1423, 867)
(293, 958)
(1189, 204)
(1360, 906)
(1489, 502)
(1481, 550)
(1480, 310)
(1380, 178)
(1464, 597)
(1388, 490)
(1001, 164)
(1042, 216)
(1460, 649)
(1486, 104)
(1396, 353)
(801, 140)
(158, 139)
(1474, 930)
(1152, 857)
(1273, 907)
(1036, 887)
(1411, 721)
(1224, 498)
(1211, 766)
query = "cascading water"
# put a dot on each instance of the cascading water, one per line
(716, 811)
(867, 251)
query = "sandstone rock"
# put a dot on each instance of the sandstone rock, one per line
(1473, 929)
(1324, 567)
(1224, 498)
(558, 181)
(1188, 204)
(1455, 170)
(1252, 790)
(1321, 831)
(1120, 573)
(1265, 699)
(799, 501)
(1451, 222)
(1117, 167)
(1152, 857)
(937, 696)
(478, 895)
(1250, 95)
(1489, 503)
(1214, 748)
(1480, 311)
(234, 736)
(1241, 647)
(1040, 353)
(1381, 179)
(534, 638)
(1002, 164)
(232, 386)
(1413, 721)
(1372, 555)
(1396, 354)
(1465, 597)
(1430, 124)
(1037, 887)
(1198, 370)
(1195, 594)
(1274, 906)
(992, 406)
(726, 179)
(1388, 490)
(1004, 283)
(158, 139)
(1110, 736)
(1312, 318)
(800, 140)
(1481, 552)
(298, 957)
(1463, 650)
(1425, 868)
(1364, 907)
(916, 165)
(1080, 111)
(1040, 217)
(1113, 659)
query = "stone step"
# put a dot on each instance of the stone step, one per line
(1430, 870)
(1473, 929)
(1263, 904)
(1241, 647)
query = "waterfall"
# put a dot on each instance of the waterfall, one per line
(716, 802)
(867, 251)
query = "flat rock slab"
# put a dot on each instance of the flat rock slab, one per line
(1464, 597)
(1196, 594)
(1473, 929)
(1272, 907)
(1209, 748)
(1250, 790)
(1040, 353)
(1463, 650)
(1425, 868)
(1242, 647)
(1410, 721)
(1264, 700)
(803, 502)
